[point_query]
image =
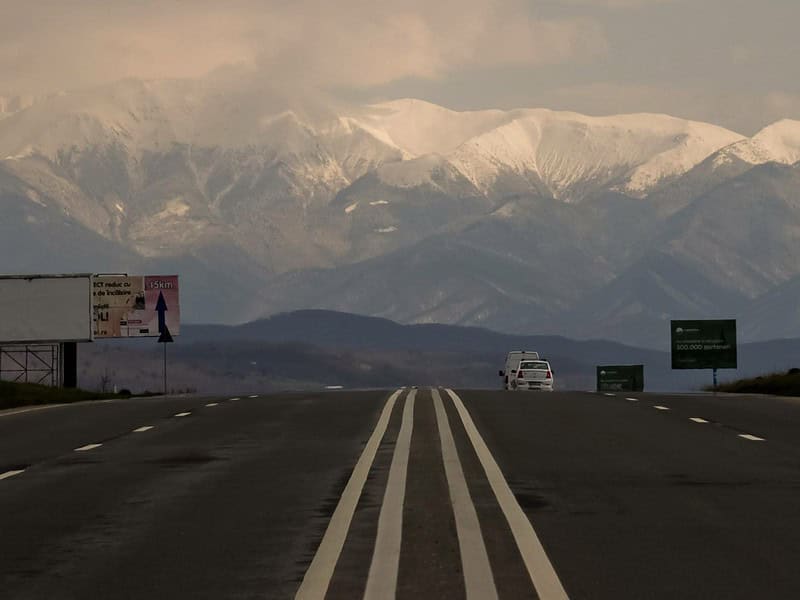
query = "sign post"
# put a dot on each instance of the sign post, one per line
(165, 337)
(620, 378)
(705, 344)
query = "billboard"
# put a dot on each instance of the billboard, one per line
(135, 305)
(707, 344)
(620, 378)
(45, 308)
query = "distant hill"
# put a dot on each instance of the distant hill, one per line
(331, 328)
(314, 348)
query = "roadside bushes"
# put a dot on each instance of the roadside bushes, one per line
(779, 384)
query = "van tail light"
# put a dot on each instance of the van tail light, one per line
(549, 375)
(520, 374)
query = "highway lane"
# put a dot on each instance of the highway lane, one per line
(30, 435)
(608, 497)
(229, 501)
(635, 502)
(774, 418)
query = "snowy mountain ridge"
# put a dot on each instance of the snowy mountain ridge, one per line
(566, 152)
(561, 148)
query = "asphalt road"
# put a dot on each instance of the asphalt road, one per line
(409, 494)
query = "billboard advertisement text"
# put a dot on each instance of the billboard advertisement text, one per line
(135, 305)
(706, 344)
(620, 378)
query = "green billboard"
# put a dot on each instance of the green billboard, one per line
(707, 344)
(620, 378)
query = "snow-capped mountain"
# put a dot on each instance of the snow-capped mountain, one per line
(567, 152)
(571, 154)
(497, 213)
(778, 143)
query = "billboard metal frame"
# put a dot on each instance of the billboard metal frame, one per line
(34, 363)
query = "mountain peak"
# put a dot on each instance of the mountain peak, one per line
(778, 142)
(782, 139)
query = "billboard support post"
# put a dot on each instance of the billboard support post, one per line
(165, 369)
(69, 352)
(165, 338)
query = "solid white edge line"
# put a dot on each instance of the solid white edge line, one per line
(20, 411)
(8, 474)
(182, 414)
(87, 447)
(143, 429)
(659, 407)
(318, 576)
(475, 567)
(540, 569)
(385, 565)
(698, 420)
(751, 438)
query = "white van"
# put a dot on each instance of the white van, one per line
(512, 363)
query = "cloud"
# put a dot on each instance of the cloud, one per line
(55, 44)
(617, 3)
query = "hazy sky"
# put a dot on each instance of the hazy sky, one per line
(733, 62)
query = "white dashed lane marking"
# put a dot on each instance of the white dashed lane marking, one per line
(608, 394)
(212, 404)
(751, 438)
(659, 407)
(87, 447)
(235, 399)
(183, 414)
(632, 399)
(143, 429)
(698, 420)
(253, 396)
(8, 474)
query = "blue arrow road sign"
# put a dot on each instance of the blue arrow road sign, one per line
(161, 309)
